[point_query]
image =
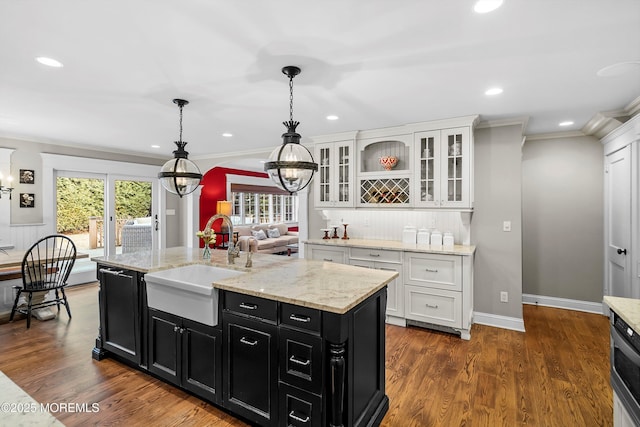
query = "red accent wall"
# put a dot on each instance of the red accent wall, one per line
(214, 188)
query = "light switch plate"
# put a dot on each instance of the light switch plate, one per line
(506, 226)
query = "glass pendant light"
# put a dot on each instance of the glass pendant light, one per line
(180, 175)
(291, 165)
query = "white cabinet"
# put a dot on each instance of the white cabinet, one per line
(335, 180)
(439, 290)
(326, 253)
(443, 168)
(388, 260)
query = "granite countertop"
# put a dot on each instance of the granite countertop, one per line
(395, 245)
(327, 286)
(627, 308)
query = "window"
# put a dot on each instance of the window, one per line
(263, 208)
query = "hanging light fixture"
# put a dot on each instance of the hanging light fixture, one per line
(180, 175)
(291, 165)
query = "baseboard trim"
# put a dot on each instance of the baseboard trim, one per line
(498, 321)
(568, 304)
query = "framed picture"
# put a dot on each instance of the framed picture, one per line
(27, 200)
(27, 176)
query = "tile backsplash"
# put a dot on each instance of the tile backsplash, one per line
(388, 224)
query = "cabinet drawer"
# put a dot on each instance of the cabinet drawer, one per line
(433, 306)
(362, 263)
(299, 408)
(378, 255)
(299, 317)
(329, 255)
(434, 271)
(251, 306)
(301, 359)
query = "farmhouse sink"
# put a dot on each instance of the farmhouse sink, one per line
(187, 291)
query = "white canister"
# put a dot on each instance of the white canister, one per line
(409, 234)
(423, 236)
(436, 238)
(447, 240)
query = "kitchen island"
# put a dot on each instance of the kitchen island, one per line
(299, 342)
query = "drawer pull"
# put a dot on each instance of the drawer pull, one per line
(248, 306)
(387, 269)
(431, 270)
(293, 415)
(299, 362)
(328, 259)
(374, 255)
(432, 306)
(243, 340)
(305, 319)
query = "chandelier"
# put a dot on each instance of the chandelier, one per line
(180, 175)
(291, 165)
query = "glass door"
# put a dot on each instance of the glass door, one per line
(135, 225)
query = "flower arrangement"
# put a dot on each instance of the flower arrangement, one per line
(207, 237)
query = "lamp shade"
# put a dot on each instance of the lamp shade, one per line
(223, 207)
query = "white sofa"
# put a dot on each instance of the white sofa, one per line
(248, 240)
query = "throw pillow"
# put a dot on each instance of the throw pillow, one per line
(273, 233)
(259, 234)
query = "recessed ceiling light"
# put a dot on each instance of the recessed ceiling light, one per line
(618, 69)
(227, 135)
(332, 117)
(49, 62)
(484, 6)
(155, 146)
(565, 123)
(493, 91)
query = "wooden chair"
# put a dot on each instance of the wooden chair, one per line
(46, 267)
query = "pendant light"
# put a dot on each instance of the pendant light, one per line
(291, 165)
(180, 175)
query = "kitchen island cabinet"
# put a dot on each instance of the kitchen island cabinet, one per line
(298, 342)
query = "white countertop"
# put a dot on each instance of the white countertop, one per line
(321, 285)
(627, 308)
(465, 250)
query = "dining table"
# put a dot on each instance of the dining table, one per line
(13, 258)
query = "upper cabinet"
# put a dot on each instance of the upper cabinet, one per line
(421, 165)
(443, 168)
(333, 185)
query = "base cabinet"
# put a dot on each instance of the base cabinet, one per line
(123, 303)
(186, 353)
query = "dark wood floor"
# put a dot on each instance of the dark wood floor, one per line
(555, 374)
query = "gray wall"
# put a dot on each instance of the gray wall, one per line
(27, 156)
(497, 179)
(562, 182)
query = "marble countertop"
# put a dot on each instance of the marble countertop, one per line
(395, 245)
(327, 286)
(627, 308)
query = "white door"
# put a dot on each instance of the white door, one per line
(618, 223)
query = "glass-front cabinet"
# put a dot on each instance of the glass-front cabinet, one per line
(443, 166)
(334, 183)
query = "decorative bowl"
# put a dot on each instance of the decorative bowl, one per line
(388, 162)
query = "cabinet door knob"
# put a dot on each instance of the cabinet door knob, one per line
(621, 251)
(175, 329)
(293, 415)
(244, 340)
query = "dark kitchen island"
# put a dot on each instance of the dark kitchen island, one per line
(297, 342)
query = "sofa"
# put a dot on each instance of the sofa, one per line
(136, 235)
(265, 238)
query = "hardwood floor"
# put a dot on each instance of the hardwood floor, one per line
(555, 374)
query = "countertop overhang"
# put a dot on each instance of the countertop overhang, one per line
(327, 286)
(465, 250)
(627, 308)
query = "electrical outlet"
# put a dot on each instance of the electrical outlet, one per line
(504, 296)
(506, 226)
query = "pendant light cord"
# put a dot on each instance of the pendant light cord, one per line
(291, 98)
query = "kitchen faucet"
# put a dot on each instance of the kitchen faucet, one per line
(232, 252)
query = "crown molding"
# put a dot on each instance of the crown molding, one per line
(605, 122)
(522, 121)
(554, 135)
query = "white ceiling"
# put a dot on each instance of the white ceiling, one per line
(374, 63)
